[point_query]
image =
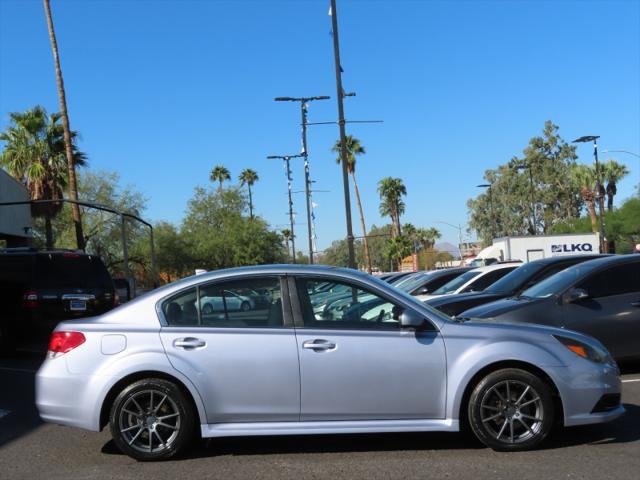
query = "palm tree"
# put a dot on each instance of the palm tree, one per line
(286, 234)
(613, 173)
(398, 248)
(354, 147)
(391, 191)
(35, 154)
(68, 138)
(220, 174)
(248, 177)
(584, 177)
(427, 237)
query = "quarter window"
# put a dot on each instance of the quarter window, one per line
(255, 302)
(339, 305)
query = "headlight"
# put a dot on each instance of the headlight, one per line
(590, 352)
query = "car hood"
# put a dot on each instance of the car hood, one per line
(461, 297)
(495, 309)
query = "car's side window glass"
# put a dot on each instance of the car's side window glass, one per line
(251, 302)
(617, 280)
(343, 306)
(180, 310)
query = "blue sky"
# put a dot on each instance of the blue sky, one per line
(161, 91)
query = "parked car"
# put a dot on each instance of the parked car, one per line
(226, 300)
(475, 280)
(512, 284)
(157, 370)
(40, 288)
(422, 283)
(600, 298)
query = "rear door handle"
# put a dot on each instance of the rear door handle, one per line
(635, 304)
(189, 343)
(318, 344)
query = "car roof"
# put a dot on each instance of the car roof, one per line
(497, 266)
(607, 260)
(560, 258)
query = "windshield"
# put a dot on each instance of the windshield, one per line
(559, 282)
(456, 283)
(412, 282)
(516, 279)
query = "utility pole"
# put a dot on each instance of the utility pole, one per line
(307, 181)
(343, 135)
(604, 247)
(287, 159)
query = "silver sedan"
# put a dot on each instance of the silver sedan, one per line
(161, 370)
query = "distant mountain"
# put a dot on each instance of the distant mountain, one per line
(449, 248)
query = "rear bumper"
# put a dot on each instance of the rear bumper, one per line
(65, 399)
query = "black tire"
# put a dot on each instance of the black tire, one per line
(177, 431)
(245, 306)
(511, 409)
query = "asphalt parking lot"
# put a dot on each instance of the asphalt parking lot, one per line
(30, 449)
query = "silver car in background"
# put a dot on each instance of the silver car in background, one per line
(161, 369)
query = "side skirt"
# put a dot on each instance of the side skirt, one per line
(318, 428)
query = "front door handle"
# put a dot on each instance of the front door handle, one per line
(635, 304)
(189, 343)
(318, 344)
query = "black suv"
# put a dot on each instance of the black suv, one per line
(38, 289)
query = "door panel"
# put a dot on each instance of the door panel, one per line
(243, 375)
(379, 375)
(613, 320)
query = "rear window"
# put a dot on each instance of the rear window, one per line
(15, 269)
(71, 270)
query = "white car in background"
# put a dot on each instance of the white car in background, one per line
(475, 280)
(233, 301)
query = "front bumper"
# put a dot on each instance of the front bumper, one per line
(582, 387)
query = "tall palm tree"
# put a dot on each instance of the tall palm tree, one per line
(220, 174)
(391, 191)
(613, 173)
(68, 140)
(354, 147)
(584, 178)
(248, 177)
(35, 154)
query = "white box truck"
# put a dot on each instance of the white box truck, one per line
(527, 248)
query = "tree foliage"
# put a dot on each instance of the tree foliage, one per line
(535, 185)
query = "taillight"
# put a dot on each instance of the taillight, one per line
(63, 342)
(30, 299)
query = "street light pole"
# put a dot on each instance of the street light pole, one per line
(287, 159)
(459, 228)
(604, 248)
(343, 135)
(307, 181)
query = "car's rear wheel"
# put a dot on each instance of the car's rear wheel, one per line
(511, 409)
(152, 419)
(245, 306)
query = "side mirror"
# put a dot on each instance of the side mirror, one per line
(412, 320)
(577, 294)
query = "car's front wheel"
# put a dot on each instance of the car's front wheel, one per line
(152, 419)
(511, 409)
